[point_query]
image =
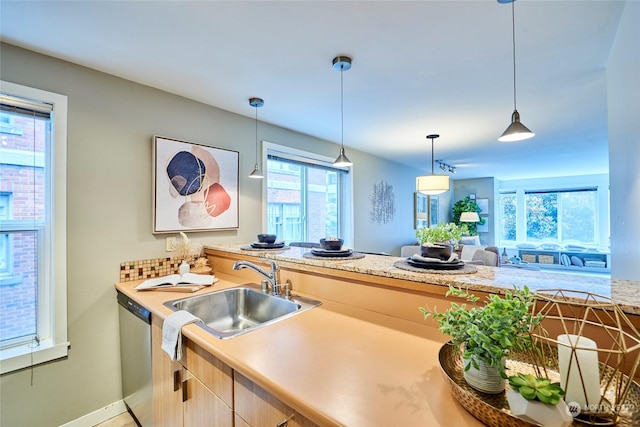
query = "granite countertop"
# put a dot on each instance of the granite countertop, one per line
(625, 293)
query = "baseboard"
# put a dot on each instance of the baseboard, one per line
(99, 416)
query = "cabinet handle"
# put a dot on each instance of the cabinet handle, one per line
(284, 422)
(184, 391)
(176, 380)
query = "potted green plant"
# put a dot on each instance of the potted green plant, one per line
(448, 233)
(466, 205)
(486, 334)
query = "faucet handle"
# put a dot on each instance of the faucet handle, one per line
(287, 289)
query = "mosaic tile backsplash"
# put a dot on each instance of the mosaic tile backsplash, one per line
(148, 268)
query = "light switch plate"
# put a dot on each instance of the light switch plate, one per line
(170, 244)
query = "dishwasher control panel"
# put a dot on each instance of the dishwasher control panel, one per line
(135, 308)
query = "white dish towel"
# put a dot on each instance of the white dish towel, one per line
(172, 332)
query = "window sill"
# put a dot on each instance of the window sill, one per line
(24, 356)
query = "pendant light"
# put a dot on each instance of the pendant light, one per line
(342, 64)
(432, 184)
(516, 130)
(256, 103)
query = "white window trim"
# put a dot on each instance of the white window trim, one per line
(346, 220)
(52, 294)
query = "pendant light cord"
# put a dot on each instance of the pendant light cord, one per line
(513, 39)
(341, 108)
(256, 107)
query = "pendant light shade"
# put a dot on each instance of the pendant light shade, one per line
(342, 64)
(516, 131)
(432, 184)
(256, 103)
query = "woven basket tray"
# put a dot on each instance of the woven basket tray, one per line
(493, 409)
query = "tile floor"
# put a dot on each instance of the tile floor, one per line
(122, 420)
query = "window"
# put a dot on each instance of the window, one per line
(557, 216)
(305, 195)
(561, 215)
(33, 322)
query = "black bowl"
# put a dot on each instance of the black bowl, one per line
(442, 252)
(266, 238)
(331, 244)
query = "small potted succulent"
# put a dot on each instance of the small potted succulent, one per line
(486, 334)
(539, 400)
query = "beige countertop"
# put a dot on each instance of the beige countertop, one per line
(625, 293)
(336, 364)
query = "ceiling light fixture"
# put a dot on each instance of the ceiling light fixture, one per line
(256, 103)
(432, 184)
(445, 167)
(342, 64)
(516, 131)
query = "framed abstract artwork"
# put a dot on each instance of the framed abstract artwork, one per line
(195, 187)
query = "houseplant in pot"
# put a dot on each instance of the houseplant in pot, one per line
(485, 334)
(466, 205)
(441, 234)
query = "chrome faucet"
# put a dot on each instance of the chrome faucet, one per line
(272, 278)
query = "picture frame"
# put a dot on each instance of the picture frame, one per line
(195, 187)
(483, 204)
(420, 211)
(433, 210)
(483, 228)
(425, 210)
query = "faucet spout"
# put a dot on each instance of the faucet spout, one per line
(272, 277)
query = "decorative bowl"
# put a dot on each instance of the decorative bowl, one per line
(331, 243)
(266, 238)
(442, 252)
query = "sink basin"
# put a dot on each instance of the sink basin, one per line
(231, 312)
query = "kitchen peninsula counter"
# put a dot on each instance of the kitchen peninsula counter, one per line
(335, 364)
(380, 270)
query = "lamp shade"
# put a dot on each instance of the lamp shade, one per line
(469, 217)
(516, 130)
(432, 184)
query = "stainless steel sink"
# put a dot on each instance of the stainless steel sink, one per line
(230, 312)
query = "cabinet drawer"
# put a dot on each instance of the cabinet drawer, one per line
(258, 408)
(214, 374)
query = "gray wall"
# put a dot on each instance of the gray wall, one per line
(623, 92)
(111, 123)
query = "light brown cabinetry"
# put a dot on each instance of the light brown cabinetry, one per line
(255, 407)
(194, 393)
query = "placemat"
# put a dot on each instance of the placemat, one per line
(404, 265)
(251, 248)
(355, 255)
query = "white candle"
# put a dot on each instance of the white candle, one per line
(586, 357)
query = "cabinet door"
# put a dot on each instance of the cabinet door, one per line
(257, 408)
(202, 407)
(213, 373)
(166, 377)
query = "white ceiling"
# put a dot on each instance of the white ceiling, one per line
(419, 67)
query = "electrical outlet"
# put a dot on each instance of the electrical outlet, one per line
(170, 244)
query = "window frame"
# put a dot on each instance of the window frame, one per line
(345, 224)
(52, 276)
(597, 182)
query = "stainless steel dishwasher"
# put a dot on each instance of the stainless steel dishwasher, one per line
(135, 359)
